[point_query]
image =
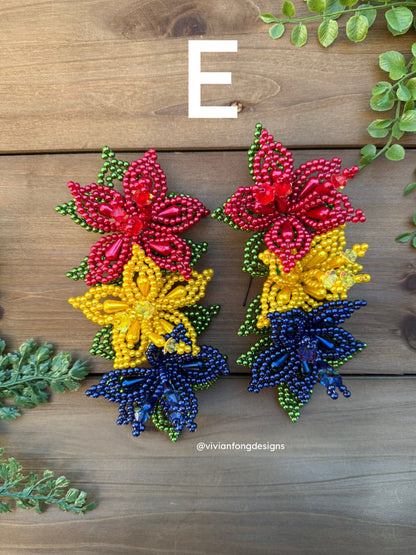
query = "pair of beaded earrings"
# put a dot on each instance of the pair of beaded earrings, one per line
(145, 293)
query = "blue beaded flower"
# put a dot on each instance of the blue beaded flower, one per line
(302, 349)
(165, 391)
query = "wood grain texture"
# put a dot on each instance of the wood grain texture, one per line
(40, 246)
(75, 75)
(345, 477)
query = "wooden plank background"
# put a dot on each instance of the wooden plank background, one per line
(78, 75)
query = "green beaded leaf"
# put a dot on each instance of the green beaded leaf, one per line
(252, 264)
(255, 351)
(197, 250)
(112, 169)
(220, 215)
(289, 401)
(80, 271)
(252, 151)
(201, 316)
(69, 208)
(250, 322)
(102, 343)
(206, 385)
(162, 423)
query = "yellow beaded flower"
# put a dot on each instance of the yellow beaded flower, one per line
(324, 274)
(144, 308)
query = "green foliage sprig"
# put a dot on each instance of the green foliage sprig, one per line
(31, 492)
(26, 374)
(397, 95)
(398, 14)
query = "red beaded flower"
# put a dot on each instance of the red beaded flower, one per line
(289, 207)
(145, 215)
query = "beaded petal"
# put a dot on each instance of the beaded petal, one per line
(146, 215)
(144, 309)
(165, 391)
(302, 349)
(326, 273)
(286, 207)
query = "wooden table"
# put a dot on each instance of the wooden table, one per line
(77, 75)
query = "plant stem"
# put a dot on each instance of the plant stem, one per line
(388, 144)
(322, 15)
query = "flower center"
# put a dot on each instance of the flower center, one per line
(275, 195)
(144, 309)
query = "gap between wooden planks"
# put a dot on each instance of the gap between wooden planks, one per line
(76, 75)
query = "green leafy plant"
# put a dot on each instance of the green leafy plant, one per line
(31, 492)
(361, 16)
(398, 96)
(26, 375)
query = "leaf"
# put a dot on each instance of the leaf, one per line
(414, 242)
(408, 121)
(399, 20)
(315, 6)
(251, 262)
(368, 151)
(411, 87)
(370, 14)
(414, 219)
(71, 495)
(276, 31)
(395, 152)
(348, 3)
(288, 9)
(414, 49)
(332, 7)
(394, 63)
(381, 87)
(382, 102)
(403, 238)
(4, 507)
(327, 32)
(403, 93)
(379, 127)
(299, 35)
(9, 413)
(409, 188)
(357, 27)
(267, 18)
(201, 316)
(410, 105)
(396, 133)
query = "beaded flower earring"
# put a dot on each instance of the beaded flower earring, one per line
(298, 219)
(145, 294)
